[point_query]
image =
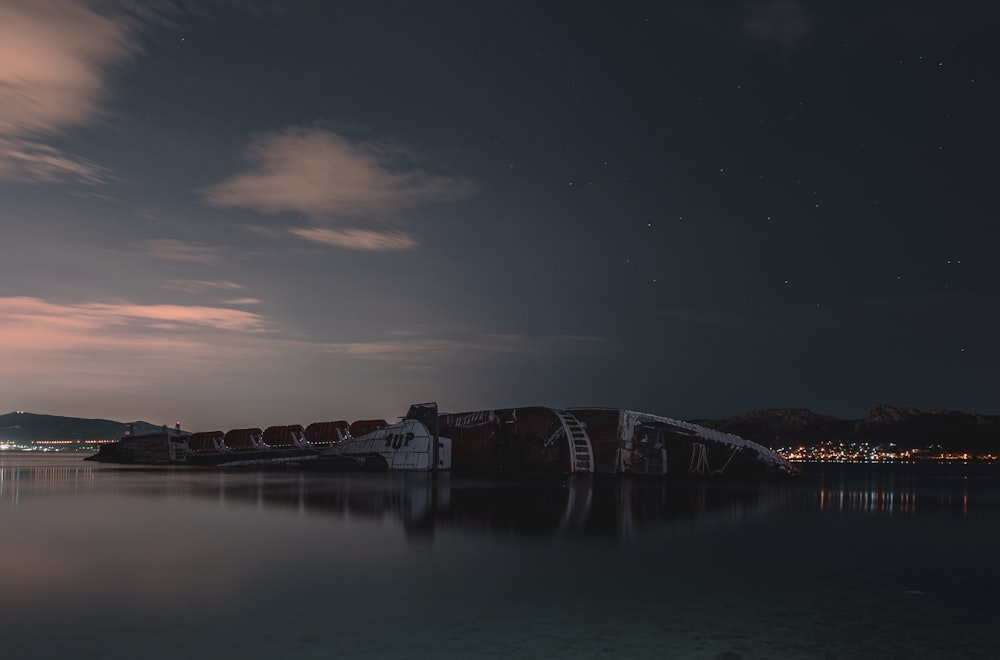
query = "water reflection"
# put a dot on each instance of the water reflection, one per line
(50, 479)
(183, 563)
(904, 489)
(577, 505)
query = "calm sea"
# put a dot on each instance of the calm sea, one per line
(856, 561)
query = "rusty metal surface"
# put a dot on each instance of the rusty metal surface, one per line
(243, 438)
(325, 433)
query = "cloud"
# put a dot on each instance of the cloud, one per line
(168, 316)
(169, 249)
(393, 350)
(99, 344)
(356, 239)
(33, 331)
(414, 346)
(27, 161)
(217, 362)
(242, 301)
(52, 60)
(318, 172)
(34, 326)
(198, 286)
(54, 57)
(19, 313)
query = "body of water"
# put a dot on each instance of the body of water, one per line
(854, 561)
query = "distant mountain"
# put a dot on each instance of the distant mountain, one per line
(783, 427)
(954, 430)
(22, 427)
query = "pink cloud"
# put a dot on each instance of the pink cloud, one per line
(219, 318)
(37, 314)
(97, 345)
(33, 330)
(54, 56)
(52, 60)
(356, 239)
(117, 358)
(316, 171)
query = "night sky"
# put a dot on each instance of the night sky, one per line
(252, 213)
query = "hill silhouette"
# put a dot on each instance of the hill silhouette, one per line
(23, 427)
(955, 430)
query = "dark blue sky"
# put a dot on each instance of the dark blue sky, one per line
(249, 213)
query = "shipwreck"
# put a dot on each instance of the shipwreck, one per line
(523, 440)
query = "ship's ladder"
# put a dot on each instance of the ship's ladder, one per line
(581, 453)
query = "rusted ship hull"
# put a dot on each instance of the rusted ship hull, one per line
(601, 441)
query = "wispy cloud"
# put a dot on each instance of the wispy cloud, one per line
(168, 316)
(198, 286)
(242, 301)
(399, 349)
(25, 313)
(97, 344)
(356, 239)
(28, 161)
(416, 346)
(319, 172)
(54, 57)
(36, 325)
(169, 249)
(121, 354)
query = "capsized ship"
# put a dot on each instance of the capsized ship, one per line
(525, 440)
(602, 441)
